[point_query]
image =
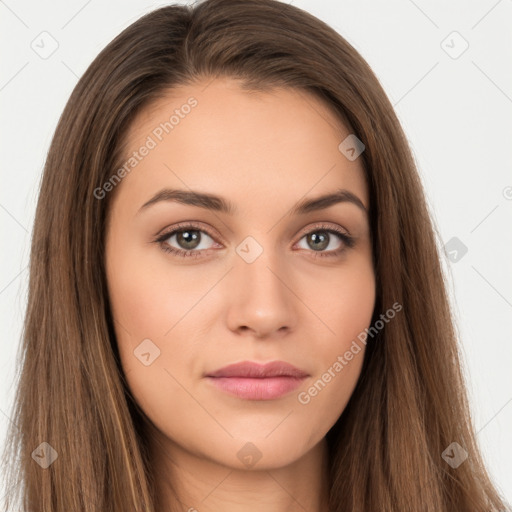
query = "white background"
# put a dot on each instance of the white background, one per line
(456, 113)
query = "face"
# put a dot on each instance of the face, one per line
(195, 287)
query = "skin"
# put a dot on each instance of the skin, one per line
(264, 151)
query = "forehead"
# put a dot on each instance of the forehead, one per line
(218, 137)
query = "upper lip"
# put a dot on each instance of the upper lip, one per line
(250, 369)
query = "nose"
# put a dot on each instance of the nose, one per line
(261, 302)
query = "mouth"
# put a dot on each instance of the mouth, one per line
(253, 381)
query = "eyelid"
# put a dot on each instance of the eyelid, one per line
(169, 231)
(200, 227)
(322, 226)
(347, 240)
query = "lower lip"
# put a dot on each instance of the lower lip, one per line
(257, 389)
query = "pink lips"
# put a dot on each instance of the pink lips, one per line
(253, 381)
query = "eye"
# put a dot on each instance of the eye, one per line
(191, 241)
(321, 237)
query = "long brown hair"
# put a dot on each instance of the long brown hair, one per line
(410, 402)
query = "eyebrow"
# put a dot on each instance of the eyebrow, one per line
(220, 204)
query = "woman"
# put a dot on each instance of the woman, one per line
(236, 301)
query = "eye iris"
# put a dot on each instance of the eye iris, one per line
(323, 240)
(188, 239)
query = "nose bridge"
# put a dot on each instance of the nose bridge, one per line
(258, 267)
(260, 297)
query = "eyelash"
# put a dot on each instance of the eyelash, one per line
(347, 240)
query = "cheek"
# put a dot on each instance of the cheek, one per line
(147, 299)
(144, 309)
(150, 306)
(354, 308)
(158, 309)
(343, 302)
(345, 310)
